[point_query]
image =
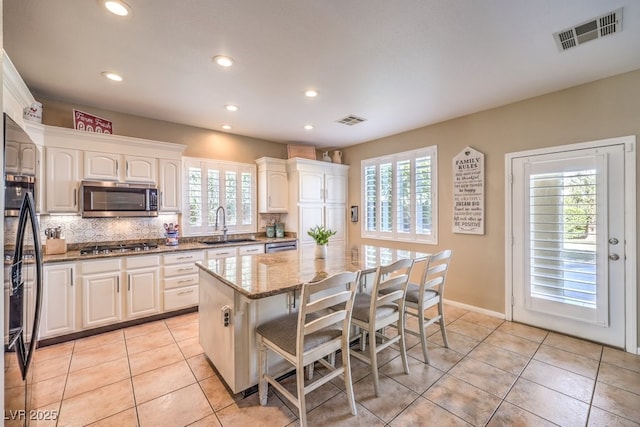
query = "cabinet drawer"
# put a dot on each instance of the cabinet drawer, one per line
(142, 261)
(180, 298)
(109, 265)
(222, 252)
(180, 270)
(176, 282)
(250, 249)
(183, 257)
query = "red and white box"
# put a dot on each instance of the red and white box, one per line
(91, 123)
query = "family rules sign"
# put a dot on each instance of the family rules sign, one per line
(468, 192)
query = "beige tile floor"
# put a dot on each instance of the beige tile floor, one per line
(495, 373)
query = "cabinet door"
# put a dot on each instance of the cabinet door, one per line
(101, 166)
(101, 300)
(169, 185)
(275, 188)
(62, 171)
(310, 216)
(311, 187)
(143, 292)
(140, 169)
(12, 157)
(335, 219)
(58, 301)
(336, 188)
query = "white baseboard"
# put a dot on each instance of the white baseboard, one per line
(476, 309)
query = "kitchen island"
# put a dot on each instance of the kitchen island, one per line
(240, 292)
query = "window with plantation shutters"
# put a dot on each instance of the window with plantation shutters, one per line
(399, 196)
(211, 184)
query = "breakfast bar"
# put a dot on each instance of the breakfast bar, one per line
(240, 292)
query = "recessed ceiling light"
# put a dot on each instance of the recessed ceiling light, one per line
(226, 127)
(223, 61)
(311, 93)
(112, 76)
(308, 127)
(231, 107)
(117, 7)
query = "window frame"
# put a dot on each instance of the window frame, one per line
(223, 168)
(394, 160)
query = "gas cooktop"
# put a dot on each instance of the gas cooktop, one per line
(113, 249)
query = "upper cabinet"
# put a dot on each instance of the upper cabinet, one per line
(317, 196)
(169, 181)
(273, 186)
(116, 167)
(63, 173)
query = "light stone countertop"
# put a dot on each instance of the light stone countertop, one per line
(264, 275)
(74, 255)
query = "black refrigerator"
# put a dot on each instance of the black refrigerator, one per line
(23, 272)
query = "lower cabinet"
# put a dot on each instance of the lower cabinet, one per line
(143, 286)
(101, 298)
(58, 300)
(87, 294)
(104, 291)
(181, 279)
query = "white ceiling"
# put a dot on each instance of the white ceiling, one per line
(399, 64)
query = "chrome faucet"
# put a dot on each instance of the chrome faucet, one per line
(224, 222)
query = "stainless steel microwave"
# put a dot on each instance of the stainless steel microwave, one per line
(115, 199)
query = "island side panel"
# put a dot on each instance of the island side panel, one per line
(232, 348)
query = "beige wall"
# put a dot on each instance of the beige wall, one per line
(200, 142)
(604, 109)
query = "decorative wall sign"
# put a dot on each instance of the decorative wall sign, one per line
(468, 192)
(91, 123)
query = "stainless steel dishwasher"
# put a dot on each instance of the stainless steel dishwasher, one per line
(290, 245)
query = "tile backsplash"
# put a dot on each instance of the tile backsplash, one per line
(83, 230)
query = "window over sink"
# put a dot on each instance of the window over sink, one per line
(210, 184)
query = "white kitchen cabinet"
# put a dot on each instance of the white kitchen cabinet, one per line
(181, 279)
(20, 158)
(62, 177)
(223, 252)
(251, 249)
(115, 167)
(273, 186)
(58, 300)
(317, 196)
(169, 185)
(29, 289)
(101, 292)
(143, 286)
(140, 169)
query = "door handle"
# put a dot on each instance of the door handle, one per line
(613, 241)
(614, 257)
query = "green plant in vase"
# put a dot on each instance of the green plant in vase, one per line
(321, 235)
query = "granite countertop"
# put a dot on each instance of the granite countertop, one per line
(264, 275)
(74, 254)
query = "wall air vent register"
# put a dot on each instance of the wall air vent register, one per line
(601, 26)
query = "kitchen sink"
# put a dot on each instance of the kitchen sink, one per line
(223, 242)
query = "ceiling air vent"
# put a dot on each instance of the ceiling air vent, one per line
(351, 120)
(601, 26)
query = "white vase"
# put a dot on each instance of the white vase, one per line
(337, 157)
(321, 251)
